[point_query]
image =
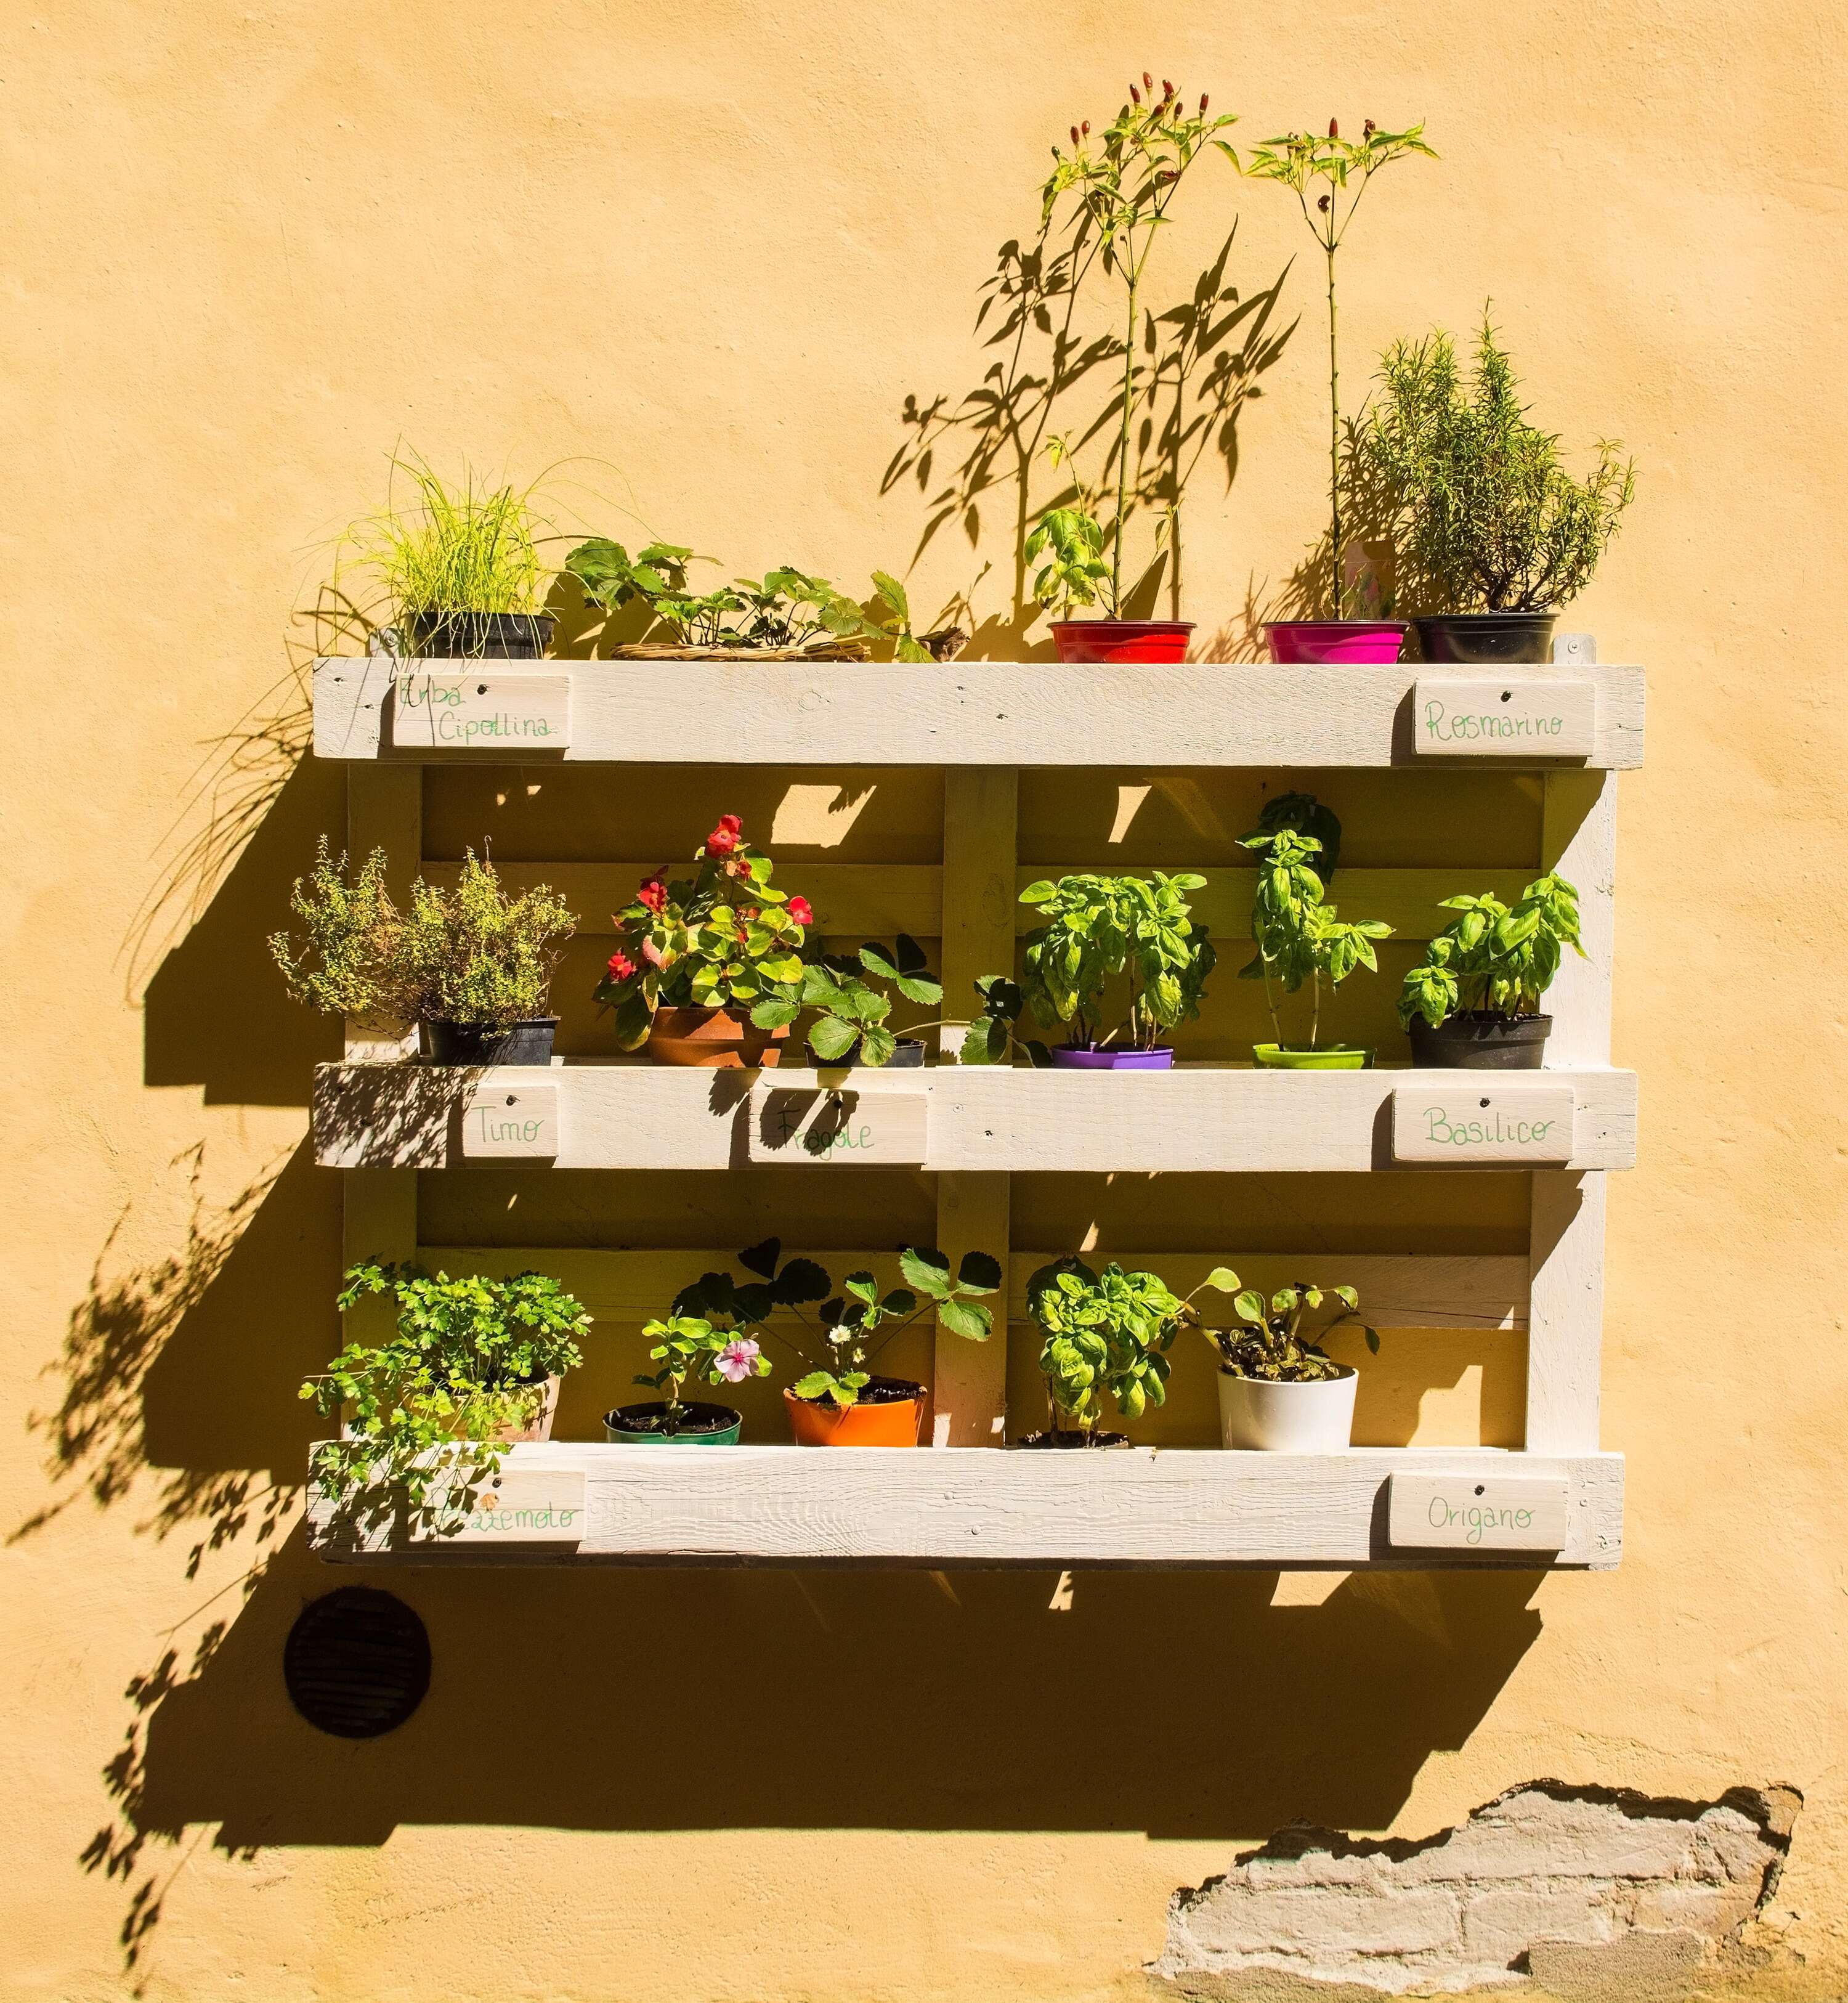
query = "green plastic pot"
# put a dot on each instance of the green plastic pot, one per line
(711, 1418)
(1321, 1057)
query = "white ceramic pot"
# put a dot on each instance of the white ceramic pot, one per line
(1288, 1418)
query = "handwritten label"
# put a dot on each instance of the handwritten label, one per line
(877, 1128)
(1459, 1124)
(518, 1505)
(1477, 1513)
(487, 711)
(503, 1122)
(1524, 717)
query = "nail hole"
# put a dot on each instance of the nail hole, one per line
(513, 1100)
(1478, 1488)
(481, 689)
(1506, 694)
(1480, 1101)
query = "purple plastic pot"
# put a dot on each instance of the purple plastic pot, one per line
(1066, 1058)
(1370, 642)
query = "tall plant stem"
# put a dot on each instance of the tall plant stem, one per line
(1334, 435)
(1123, 448)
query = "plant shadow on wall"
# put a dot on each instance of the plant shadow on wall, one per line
(983, 463)
(176, 1406)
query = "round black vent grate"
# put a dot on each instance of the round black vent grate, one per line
(357, 1662)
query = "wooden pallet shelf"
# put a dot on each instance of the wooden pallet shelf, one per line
(967, 713)
(782, 1506)
(1194, 1120)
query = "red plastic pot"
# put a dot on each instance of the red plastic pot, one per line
(1353, 641)
(1092, 640)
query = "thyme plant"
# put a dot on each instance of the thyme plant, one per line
(1494, 960)
(1344, 166)
(348, 960)
(1492, 517)
(1117, 193)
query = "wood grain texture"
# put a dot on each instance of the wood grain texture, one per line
(479, 711)
(1478, 1512)
(972, 713)
(1566, 1312)
(962, 1507)
(1472, 1120)
(1510, 719)
(1196, 1118)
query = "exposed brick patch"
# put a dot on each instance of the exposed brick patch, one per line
(1581, 1892)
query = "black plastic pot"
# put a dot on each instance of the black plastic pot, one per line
(468, 1044)
(483, 636)
(909, 1056)
(1487, 639)
(1480, 1042)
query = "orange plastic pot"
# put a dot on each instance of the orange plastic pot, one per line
(714, 1039)
(888, 1422)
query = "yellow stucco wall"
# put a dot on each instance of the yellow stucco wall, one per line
(706, 250)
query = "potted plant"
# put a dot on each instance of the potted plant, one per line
(839, 1400)
(1105, 1334)
(1300, 938)
(695, 957)
(688, 1345)
(1473, 1002)
(1279, 1391)
(1098, 928)
(472, 1367)
(1497, 534)
(849, 1027)
(1298, 160)
(785, 615)
(1119, 192)
(471, 966)
(457, 571)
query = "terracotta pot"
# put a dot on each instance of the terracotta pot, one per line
(714, 1039)
(541, 1426)
(1090, 641)
(886, 1422)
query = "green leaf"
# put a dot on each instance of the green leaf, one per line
(928, 1270)
(975, 1324)
(878, 1045)
(979, 1272)
(832, 1037)
(1249, 1306)
(893, 593)
(1224, 1279)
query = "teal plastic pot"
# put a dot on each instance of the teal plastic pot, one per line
(701, 1425)
(1320, 1056)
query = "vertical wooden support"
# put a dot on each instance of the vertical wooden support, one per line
(1566, 1237)
(980, 829)
(385, 809)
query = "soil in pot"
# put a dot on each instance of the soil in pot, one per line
(482, 636)
(889, 1413)
(1072, 1056)
(1480, 1042)
(701, 1425)
(1092, 641)
(1272, 1416)
(1487, 639)
(1318, 1056)
(714, 1039)
(1073, 1439)
(1361, 642)
(528, 1043)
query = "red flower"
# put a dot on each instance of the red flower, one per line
(654, 894)
(621, 966)
(722, 840)
(732, 822)
(801, 911)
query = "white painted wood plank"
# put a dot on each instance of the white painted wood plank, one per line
(504, 1123)
(1578, 837)
(1472, 1119)
(963, 1507)
(1037, 713)
(1566, 1312)
(1197, 1119)
(1516, 717)
(479, 711)
(1489, 1513)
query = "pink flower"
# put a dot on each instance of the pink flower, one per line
(737, 1361)
(801, 911)
(653, 893)
(621, 966)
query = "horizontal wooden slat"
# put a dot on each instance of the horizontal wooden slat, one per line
(1038, 713)
(972, 1506)
(875, 899)
(1409, 1291)
(1197, 1118)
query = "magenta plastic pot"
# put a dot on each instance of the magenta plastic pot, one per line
(1066, 1058)
(1354, 642)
